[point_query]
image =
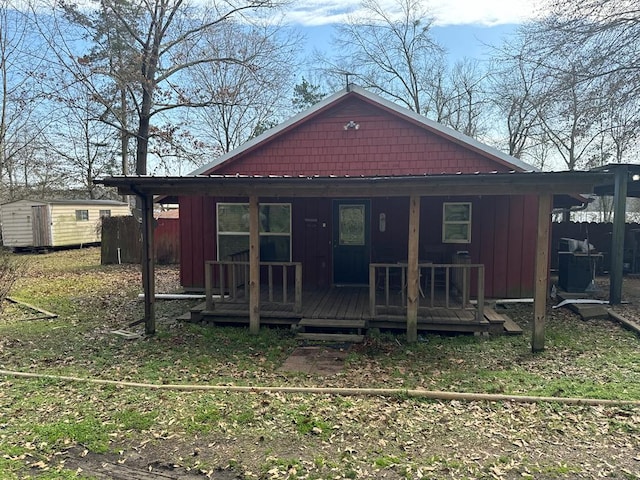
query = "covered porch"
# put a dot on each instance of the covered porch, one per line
(445, 302)
(413, 309)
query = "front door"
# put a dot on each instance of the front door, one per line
(351, 242)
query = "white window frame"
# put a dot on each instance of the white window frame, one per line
(242, 233)
(445, 223)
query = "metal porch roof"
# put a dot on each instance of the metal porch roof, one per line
(512, 183)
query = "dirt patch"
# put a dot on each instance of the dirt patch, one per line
(316, 360)
(134, 465)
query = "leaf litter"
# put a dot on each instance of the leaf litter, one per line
(50, 426)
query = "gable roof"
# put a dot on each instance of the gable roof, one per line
(430, 126)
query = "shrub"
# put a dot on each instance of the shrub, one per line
(10, 268)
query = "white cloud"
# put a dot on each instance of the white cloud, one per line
(485, 12)
(446, 12)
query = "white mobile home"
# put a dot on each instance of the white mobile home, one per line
(56, 223)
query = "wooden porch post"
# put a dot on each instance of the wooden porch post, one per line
(541, 280)
(254, 265)
(617, 239)
(413, 276)
(148, 265)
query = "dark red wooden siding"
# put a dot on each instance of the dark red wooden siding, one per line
(197, 239)
(311, 239)
(167, 240)
(501, 238)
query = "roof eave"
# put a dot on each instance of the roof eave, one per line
(429, 185)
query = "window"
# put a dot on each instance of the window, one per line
(352, 224)
(275, 231)
(105, 213)
(82, 215)
(456, 222)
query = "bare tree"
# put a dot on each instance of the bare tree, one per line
(240, 100)
(86, 146)
(34, 171)
(585, 55)
(166, 36)
(440, 94)
(22, 118)
(467, 98)
(516, 93)
(621, 121)
(608, 29)
(556, 98)
(571, 119)
(390, 50)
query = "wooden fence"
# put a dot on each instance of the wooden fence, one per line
(122, 240)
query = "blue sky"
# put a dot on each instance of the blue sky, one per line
(461, 26)
(459, 40)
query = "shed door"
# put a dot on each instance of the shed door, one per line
(351, 242)
(41, 226)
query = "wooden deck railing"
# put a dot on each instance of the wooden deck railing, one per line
(451, 280)
(233, 278)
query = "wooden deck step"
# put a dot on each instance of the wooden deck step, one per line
(511, 327)
(331, 337)
(493, 316)
(501, 323)
(332, 323)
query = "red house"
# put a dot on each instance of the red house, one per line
(356, 134)
(360, 192)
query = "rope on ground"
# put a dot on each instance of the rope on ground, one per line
(382, 392)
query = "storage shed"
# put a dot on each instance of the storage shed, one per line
(55, 223)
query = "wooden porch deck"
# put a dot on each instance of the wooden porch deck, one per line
(340, 309)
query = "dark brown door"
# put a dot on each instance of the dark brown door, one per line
(41, 226)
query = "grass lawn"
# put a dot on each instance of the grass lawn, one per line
(57, 429)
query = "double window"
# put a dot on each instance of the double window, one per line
(275, 231)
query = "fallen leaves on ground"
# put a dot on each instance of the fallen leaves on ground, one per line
(46, 424)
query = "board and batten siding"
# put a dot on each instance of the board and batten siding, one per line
(64, 229)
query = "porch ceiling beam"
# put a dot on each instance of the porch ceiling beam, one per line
(485, 184)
